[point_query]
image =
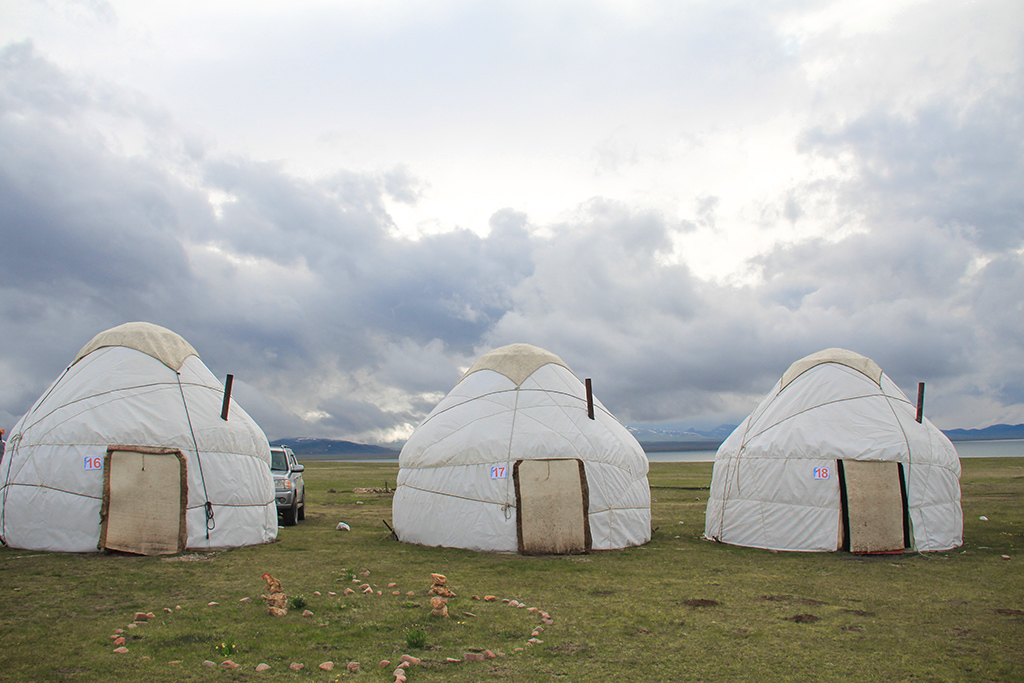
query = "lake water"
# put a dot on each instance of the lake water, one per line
(1000, 448)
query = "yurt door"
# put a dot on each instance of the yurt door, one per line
(144, 499)
(874, 506)
(552, 501)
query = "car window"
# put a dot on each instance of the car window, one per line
(277, 461)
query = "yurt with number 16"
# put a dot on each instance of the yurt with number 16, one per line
(834, 458)
(137, 448)
(520, 457)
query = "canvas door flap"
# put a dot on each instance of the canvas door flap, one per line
(144, 501)
(874, 506)
(552, 500)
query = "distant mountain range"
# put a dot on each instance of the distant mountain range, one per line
(651, 440)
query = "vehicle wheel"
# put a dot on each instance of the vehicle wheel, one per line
(290, 514)
(302, 508)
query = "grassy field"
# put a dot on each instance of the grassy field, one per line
(677, 609)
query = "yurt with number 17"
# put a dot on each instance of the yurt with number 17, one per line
(834, 458)
(136, 447)
(520, 457)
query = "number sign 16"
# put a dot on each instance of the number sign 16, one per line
(499, 472)
(94, 462)
(821, 473)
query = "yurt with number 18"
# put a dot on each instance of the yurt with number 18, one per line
(834, 458)
(520, 457)
(136, 448)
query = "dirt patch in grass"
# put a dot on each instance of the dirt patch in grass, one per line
(700, 602)
(859, 612)
(1006, 612)
(192, 557)
(568, 648)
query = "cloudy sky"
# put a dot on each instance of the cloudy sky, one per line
(345, 203)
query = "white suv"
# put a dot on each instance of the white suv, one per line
(289, 489)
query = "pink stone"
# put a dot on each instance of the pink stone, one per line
(349, 591)
(120, 650)
(396, 592)
(392, 585)
(118, 630)
(209, 664)
(140, 616)
(452, 660)
(384, 663)
(212, 604)
(331, 593)
(468, 614)
(353, 667)
(316, 592)
(535, 641)
(474, 597)
(296, 666)
(306, 613)
(119, 642)
(410, 659)
(174, 661)
(132, 626)
(403, 665)
(228, 664)
(242, 600)
(489, 598)
(168, 610)
(489, 655)
(261, 667)
(473, 656)
(411, 594)
(326, 666)
(150, 615)
(177, 607)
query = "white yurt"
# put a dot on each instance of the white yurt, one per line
(511, 460)
(128, 450)
(834, 458)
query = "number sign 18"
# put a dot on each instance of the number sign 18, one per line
(94, 462)
(821, 473)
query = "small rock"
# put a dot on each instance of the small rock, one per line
(366, 589)
(513, 603)
(359, 502)
(410, 659)
(547, 622)
(489, 598)
(120, 650)
(474, 597)
(379, 593)
(212, 604)
(177, 607)
(392, 585)
(212, 665)
(174, 661)
(506, 600)
(327, 666)
(140, 616)
(518, 649)
(133, 625)
(168, 610)
(306, 613)
(411, 594)
(355, 580)
(983, 518)
(396, 592)
(1006, 557)
(261, 667)
(119, 642)
(452, 660)
(468, 614)
(296, 666)
(403, 665)
(384, 663)
(473, 657)
(353, 667)
(316, 592)
(349, 591)
(331, 593)
(118, 630)
(242, 600)
(150, 615)
(489, 655)
(228, 664)
(365, 572)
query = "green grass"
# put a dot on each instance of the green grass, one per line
(678, 609)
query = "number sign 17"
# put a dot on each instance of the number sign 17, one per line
(499, 472)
